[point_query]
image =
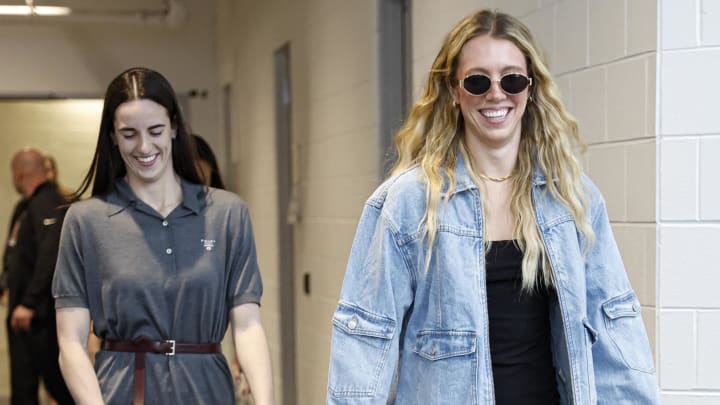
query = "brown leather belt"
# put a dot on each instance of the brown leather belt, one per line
(144, 344)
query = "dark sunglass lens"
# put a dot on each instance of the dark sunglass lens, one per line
(514, 83)
(476, 84)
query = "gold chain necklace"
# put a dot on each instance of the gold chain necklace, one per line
(496, 179)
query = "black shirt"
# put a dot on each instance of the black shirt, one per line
(30, 262)
(523, 372)
(11, 242)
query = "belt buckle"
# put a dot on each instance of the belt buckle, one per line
(172, 348)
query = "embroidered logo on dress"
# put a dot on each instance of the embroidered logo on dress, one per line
(49, 221)
(208, 244)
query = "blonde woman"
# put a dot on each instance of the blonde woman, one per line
(485, 270)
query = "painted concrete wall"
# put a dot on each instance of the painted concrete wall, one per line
(602, 54)
(637, 74)
(335, 156)
(651, 162)
(78, 59)
(688, 201)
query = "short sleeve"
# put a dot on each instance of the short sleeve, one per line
(245, 284)
(69, 286)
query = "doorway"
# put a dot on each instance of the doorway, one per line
(286, 221)
(395, 80)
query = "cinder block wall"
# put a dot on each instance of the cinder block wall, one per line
(603, 56)
(689, 201)
(637, 74)
(335, 150)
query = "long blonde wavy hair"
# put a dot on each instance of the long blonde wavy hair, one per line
(432, 136)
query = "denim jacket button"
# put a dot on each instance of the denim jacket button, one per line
(636, 306)
(433, 349)
(352, 323)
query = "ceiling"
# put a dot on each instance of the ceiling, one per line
(100, 6)
(170, 12)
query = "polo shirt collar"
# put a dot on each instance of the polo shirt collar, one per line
(193, 196)
(123, 197)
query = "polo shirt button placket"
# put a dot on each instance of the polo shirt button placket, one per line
(165, 225)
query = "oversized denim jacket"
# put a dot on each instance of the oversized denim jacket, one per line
(406, 335)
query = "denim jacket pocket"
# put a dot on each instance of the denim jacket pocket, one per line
(626, 329)
(437, 345)
(448, 356)
(361, 340)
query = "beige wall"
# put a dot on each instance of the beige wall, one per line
(604, 56)
(64, 129)
(602, 53)
(335, 161)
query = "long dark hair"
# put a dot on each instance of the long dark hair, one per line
(107, 164)
(204, 152)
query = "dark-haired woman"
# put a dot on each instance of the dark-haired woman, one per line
(160, 263)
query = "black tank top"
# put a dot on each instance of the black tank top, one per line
(523, 371)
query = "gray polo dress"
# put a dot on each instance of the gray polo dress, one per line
(173, 278)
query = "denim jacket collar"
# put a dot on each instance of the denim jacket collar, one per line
(464, 182)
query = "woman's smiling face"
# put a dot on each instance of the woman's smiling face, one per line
(143, 133)
(495, 117)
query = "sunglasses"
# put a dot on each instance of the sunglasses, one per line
(511, 83)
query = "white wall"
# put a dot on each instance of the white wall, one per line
(40, 58)
(689, 201)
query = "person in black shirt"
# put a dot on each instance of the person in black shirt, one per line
(29, 264)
